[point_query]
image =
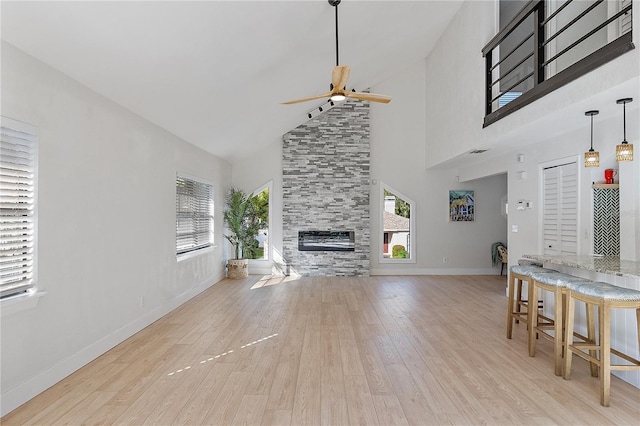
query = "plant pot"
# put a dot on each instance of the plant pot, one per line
(237, 268)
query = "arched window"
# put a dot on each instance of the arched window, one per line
(398, 224)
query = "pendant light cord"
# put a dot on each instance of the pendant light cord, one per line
(591, 133)
(624, 117)
(624, 122)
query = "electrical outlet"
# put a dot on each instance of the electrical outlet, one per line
(445, 259)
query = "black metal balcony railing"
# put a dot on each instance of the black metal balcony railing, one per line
(541, 49)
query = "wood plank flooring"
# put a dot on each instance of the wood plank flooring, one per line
(426, 350)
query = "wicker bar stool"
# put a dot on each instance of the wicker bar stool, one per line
(606, 297)
(555, 283)
(515, 303)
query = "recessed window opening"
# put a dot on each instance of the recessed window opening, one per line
(18, 145)
(194, 215)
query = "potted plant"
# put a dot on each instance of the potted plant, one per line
(243, 225)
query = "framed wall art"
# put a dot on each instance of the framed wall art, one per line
(461, 205)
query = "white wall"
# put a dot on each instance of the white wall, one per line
(106, 227)
(455, 81)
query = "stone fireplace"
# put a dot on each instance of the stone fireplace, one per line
(325, 172)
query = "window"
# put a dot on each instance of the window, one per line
(398, 240)
(18, 165)
(261, 203)
(194, 215)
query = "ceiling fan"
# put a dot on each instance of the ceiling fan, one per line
(339, 75)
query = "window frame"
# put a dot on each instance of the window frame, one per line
(412, 225)
(197, 251)
(32, 289)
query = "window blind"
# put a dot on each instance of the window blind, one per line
(17, 204)
(194, 215)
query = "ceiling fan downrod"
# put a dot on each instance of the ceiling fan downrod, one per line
(335, 4)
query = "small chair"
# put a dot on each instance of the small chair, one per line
(517, 275)
(556, 283)
(502, 253)
(606, 297)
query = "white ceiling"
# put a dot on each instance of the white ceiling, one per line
(214, 72)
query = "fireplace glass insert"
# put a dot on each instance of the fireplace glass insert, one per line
(326, 241)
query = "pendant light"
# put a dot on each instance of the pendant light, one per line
(591, 157)
(624, 151)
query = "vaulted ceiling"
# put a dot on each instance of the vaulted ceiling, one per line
(214, 72)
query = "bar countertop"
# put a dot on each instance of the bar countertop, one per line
(604, 264)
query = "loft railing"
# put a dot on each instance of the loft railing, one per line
(549, 44)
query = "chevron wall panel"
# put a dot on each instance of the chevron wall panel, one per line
(606, 221)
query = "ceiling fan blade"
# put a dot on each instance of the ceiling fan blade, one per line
(372, 97)
(339, 76)
(310, 98)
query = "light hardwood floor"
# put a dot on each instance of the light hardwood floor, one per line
(426, 350)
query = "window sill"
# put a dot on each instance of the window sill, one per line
(185, 256)
(390, 260)
(20, 303)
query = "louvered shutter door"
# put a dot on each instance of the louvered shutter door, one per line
(550, 209)
(560, 209)
(17, 204)
(569, 209)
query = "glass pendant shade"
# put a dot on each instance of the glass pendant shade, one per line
(592, 158)
(624, 151)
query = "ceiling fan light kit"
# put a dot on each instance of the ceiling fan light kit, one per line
(338, 88)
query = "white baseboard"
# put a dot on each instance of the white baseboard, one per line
(17, 396)
(434, 271)
(260, 270)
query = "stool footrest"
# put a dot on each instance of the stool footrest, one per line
(582, 346)
(625, 367)
(526, 303)
(588, 346)
(584, 355)
(627, 358)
